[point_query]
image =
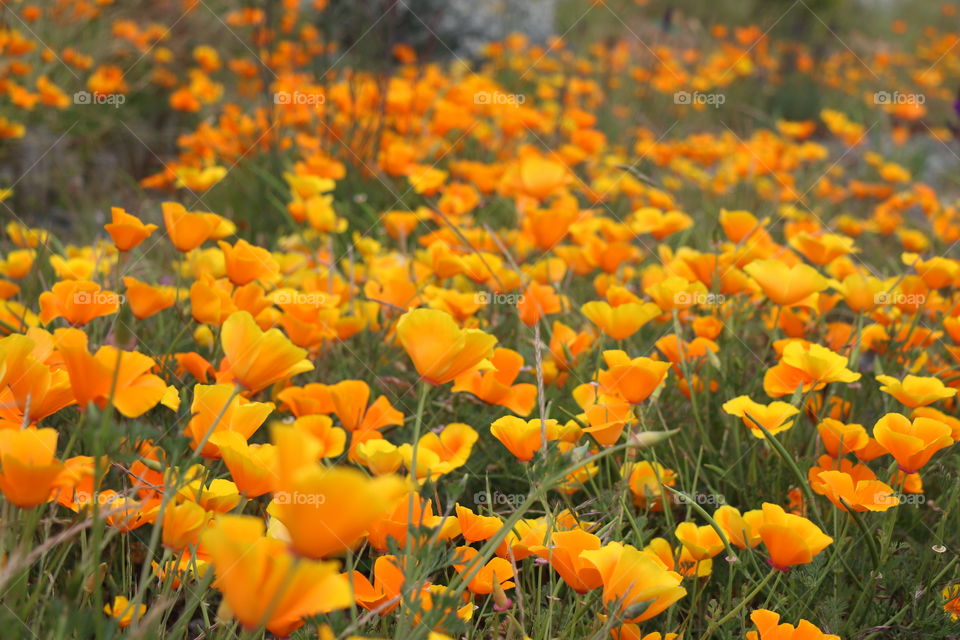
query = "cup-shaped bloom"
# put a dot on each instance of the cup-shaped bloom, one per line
(127, 231)
(183, 523)
(483, 579)
(258, 358)
(847, 491)
(742, 530)
(441, 350)
(787, 286)
(701, 542)
(496, 386)
(637, 581)
(246, 262)
(840, 438)
(29, 465)
(632, 379)
(563, 554)
(266, 585)
(911, 444)
(185, 229)
(77, 301)
(328, 510)
(216, 409)
(774, 417)
(525, 437)
(790, 539)
(622, 321)
(769, 627)
(916, 391)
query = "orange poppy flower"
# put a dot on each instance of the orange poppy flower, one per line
(29, 465)
(787, 286)
(790, 539)
(409, 511)
(483, 580)
(111, 375)
(77, 301)
(495, 386)
(840, 438)
(439, 454)
(916, 391)
(769, 628)
(646, 480)
(146, 300)
(701, 542)
(263, 583)
(859, 490)
(622, 321)
(123, 611)
(742, 530)
(538, 300)
(383, 595)
(563, 554)
(822, 248)
(566, 345)
(216, 409)
(475, 527)
(634, 379)
(441, 350)
(256, 358)
(634, 581)
(188, 230)
(182, 524)
(775, 417)
(349, 402)
(524, 437)
(328, 511)
(252, 466)
(911, 444)
(127, 231)
(807, 366)
(246, 262)
(30, 390)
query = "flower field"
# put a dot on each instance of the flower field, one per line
(647, 332)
